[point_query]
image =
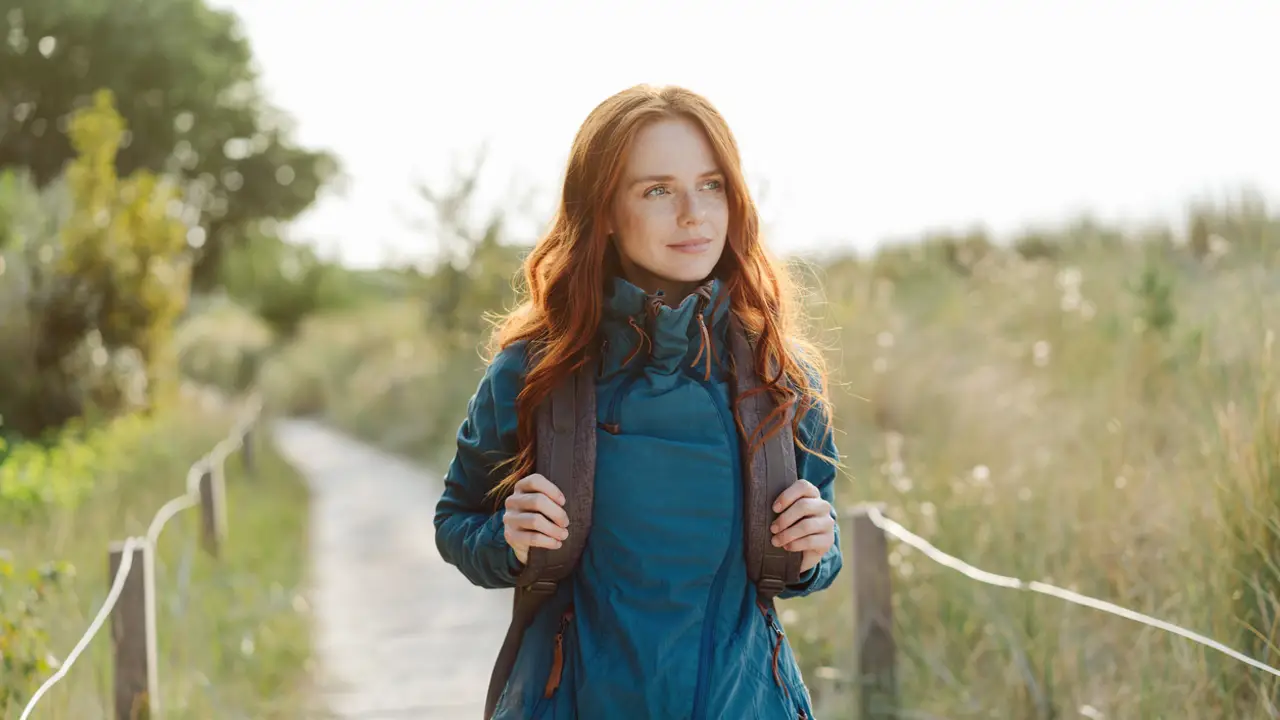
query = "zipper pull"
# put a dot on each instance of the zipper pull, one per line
(557, 662)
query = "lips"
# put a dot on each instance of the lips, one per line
(691, 244)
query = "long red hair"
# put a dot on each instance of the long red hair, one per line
(565, 274)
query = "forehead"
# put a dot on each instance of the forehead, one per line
(671, 146)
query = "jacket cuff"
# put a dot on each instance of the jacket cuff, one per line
(504, 561)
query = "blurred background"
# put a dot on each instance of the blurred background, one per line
(1039, 243)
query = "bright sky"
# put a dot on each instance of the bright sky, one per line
(867, 120)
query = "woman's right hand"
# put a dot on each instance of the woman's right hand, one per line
(535, 516)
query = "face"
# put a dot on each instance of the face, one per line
(671, 214)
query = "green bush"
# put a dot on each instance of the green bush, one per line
(25, 654)
(223, 344)
(94, 275)
(35, 477)
(281, 282)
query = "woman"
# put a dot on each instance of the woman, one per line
(655, 246)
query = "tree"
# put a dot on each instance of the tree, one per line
(183, 80)
(476, 272)
(99, 285)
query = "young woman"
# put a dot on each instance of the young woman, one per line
(655, 248)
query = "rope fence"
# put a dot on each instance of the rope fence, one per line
(131, 600)
(873, 614)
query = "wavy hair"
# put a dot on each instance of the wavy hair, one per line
(566, 273)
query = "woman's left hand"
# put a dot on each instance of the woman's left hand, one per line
(805, 524)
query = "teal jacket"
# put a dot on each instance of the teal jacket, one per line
(661, 620)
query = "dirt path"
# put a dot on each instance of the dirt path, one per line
(400, 633)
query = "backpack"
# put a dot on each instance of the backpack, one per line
(566, 438)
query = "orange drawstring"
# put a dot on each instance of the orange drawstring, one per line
(654, 304)
(705, 346)
(644, 338)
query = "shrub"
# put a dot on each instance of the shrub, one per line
(95, 274)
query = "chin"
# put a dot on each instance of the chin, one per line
(688, 273)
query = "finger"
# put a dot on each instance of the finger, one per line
(803, 508)
(807, 526)
(523, 525)
(809, 559)
(539, 483)
(527, 539)
(816, 543)
(540, 503)
(537, 522)
(787, 497)
(798, 489)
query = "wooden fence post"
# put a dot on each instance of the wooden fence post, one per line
(875, 676)
(211, 513)
(132, 639)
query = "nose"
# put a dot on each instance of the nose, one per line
(692, 210)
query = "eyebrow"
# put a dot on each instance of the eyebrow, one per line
(671, 178)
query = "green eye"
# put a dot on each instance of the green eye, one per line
(651, 192)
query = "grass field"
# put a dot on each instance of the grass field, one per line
(234, 633)
(1109, 422)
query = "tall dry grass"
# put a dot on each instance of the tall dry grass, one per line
(1109, 421)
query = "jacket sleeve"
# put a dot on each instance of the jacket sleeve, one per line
(468, 528)
(817, 436)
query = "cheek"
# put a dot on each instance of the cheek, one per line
(646, 223)
(718, 214)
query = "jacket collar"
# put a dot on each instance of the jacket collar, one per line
(641, 331)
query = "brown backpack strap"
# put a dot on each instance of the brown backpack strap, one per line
(567, 457)
(766, 473)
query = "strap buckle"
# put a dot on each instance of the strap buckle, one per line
(771, 586)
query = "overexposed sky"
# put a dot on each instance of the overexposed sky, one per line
(867, 120)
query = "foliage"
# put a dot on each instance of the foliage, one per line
(222, 344)
(233, 631)
(93, 288)
(284, 282)
(1247, 504)
(1098, 415)
(36, 477)
(25, 656)
(477, 269)
(190, 95)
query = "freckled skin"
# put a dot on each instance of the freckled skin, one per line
(651, 215)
